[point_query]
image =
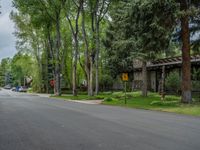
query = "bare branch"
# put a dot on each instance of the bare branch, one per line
(104, 12)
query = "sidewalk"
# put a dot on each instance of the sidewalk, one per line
(41, 94)
(91, 102)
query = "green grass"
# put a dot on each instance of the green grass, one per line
(79, 97)
(135, 100)
(153, 102)
(185, 109)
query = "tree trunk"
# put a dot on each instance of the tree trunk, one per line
(93, 52)
(51, 54)
(97, 57)
(144, 77)
(39, 62)
(186, 64)
(87, 69)
(100, 9)
(75, 32)
(74, 82)
(71, 71)
(162, 92)
(91, 93)
(57, 65)
(47, 71)
(88, 82)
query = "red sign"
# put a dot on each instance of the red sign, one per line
(52, 83)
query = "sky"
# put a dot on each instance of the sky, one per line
(7, 39)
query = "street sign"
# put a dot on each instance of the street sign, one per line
(52, 83)
(125, 77)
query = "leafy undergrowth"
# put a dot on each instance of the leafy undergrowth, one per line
(193, 109)
(135, 100)
(153, 102)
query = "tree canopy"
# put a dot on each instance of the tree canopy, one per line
(82, 44)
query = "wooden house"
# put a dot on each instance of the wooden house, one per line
(155, 69)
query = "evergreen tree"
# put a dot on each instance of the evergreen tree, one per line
(186, 13)
(140, 29)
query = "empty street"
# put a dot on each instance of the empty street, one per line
(30, 122)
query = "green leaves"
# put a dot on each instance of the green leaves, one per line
(139, 29)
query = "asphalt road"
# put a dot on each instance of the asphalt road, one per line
(29, 122)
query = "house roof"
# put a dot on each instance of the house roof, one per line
(172, 61)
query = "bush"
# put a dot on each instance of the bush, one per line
(196, 79)
(30, 90)
(164, 103)
(121, 95)
(106, 82)
(117, 94)
(195, 85)
(109, 99)
(129, 95)
(173, 82)
(172, 98)
(106, 93)
(99, 97)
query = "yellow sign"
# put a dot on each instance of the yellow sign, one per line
(125, 76)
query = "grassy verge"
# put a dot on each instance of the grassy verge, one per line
(135, 100)
(193, 109)
(153, 102)
(79, 97)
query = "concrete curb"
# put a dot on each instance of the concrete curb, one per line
(90, 102)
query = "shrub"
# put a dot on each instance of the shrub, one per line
(129, 95)
(164, 103)
(108, 99)
(117, 94)
(121, 95)
(173, 82)
(195, 85)
(99, 97)
(107, 93)
(172, 98)
(106, 81)
(196, 79)
(30, 90)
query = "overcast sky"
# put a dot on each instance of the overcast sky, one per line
(7, 39)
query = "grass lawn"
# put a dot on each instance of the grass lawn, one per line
(135, 100)
(79, 97)
(153, 102)
(185, 109)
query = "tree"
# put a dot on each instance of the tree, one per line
(44, 22)
(186, 64)
(29, 41)
(88, 62)
(98, 10)
(188, 14)
(186, 9)
(195, 27)
(142, 28)
(5, 72)
(75, 32)
(21, 68)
